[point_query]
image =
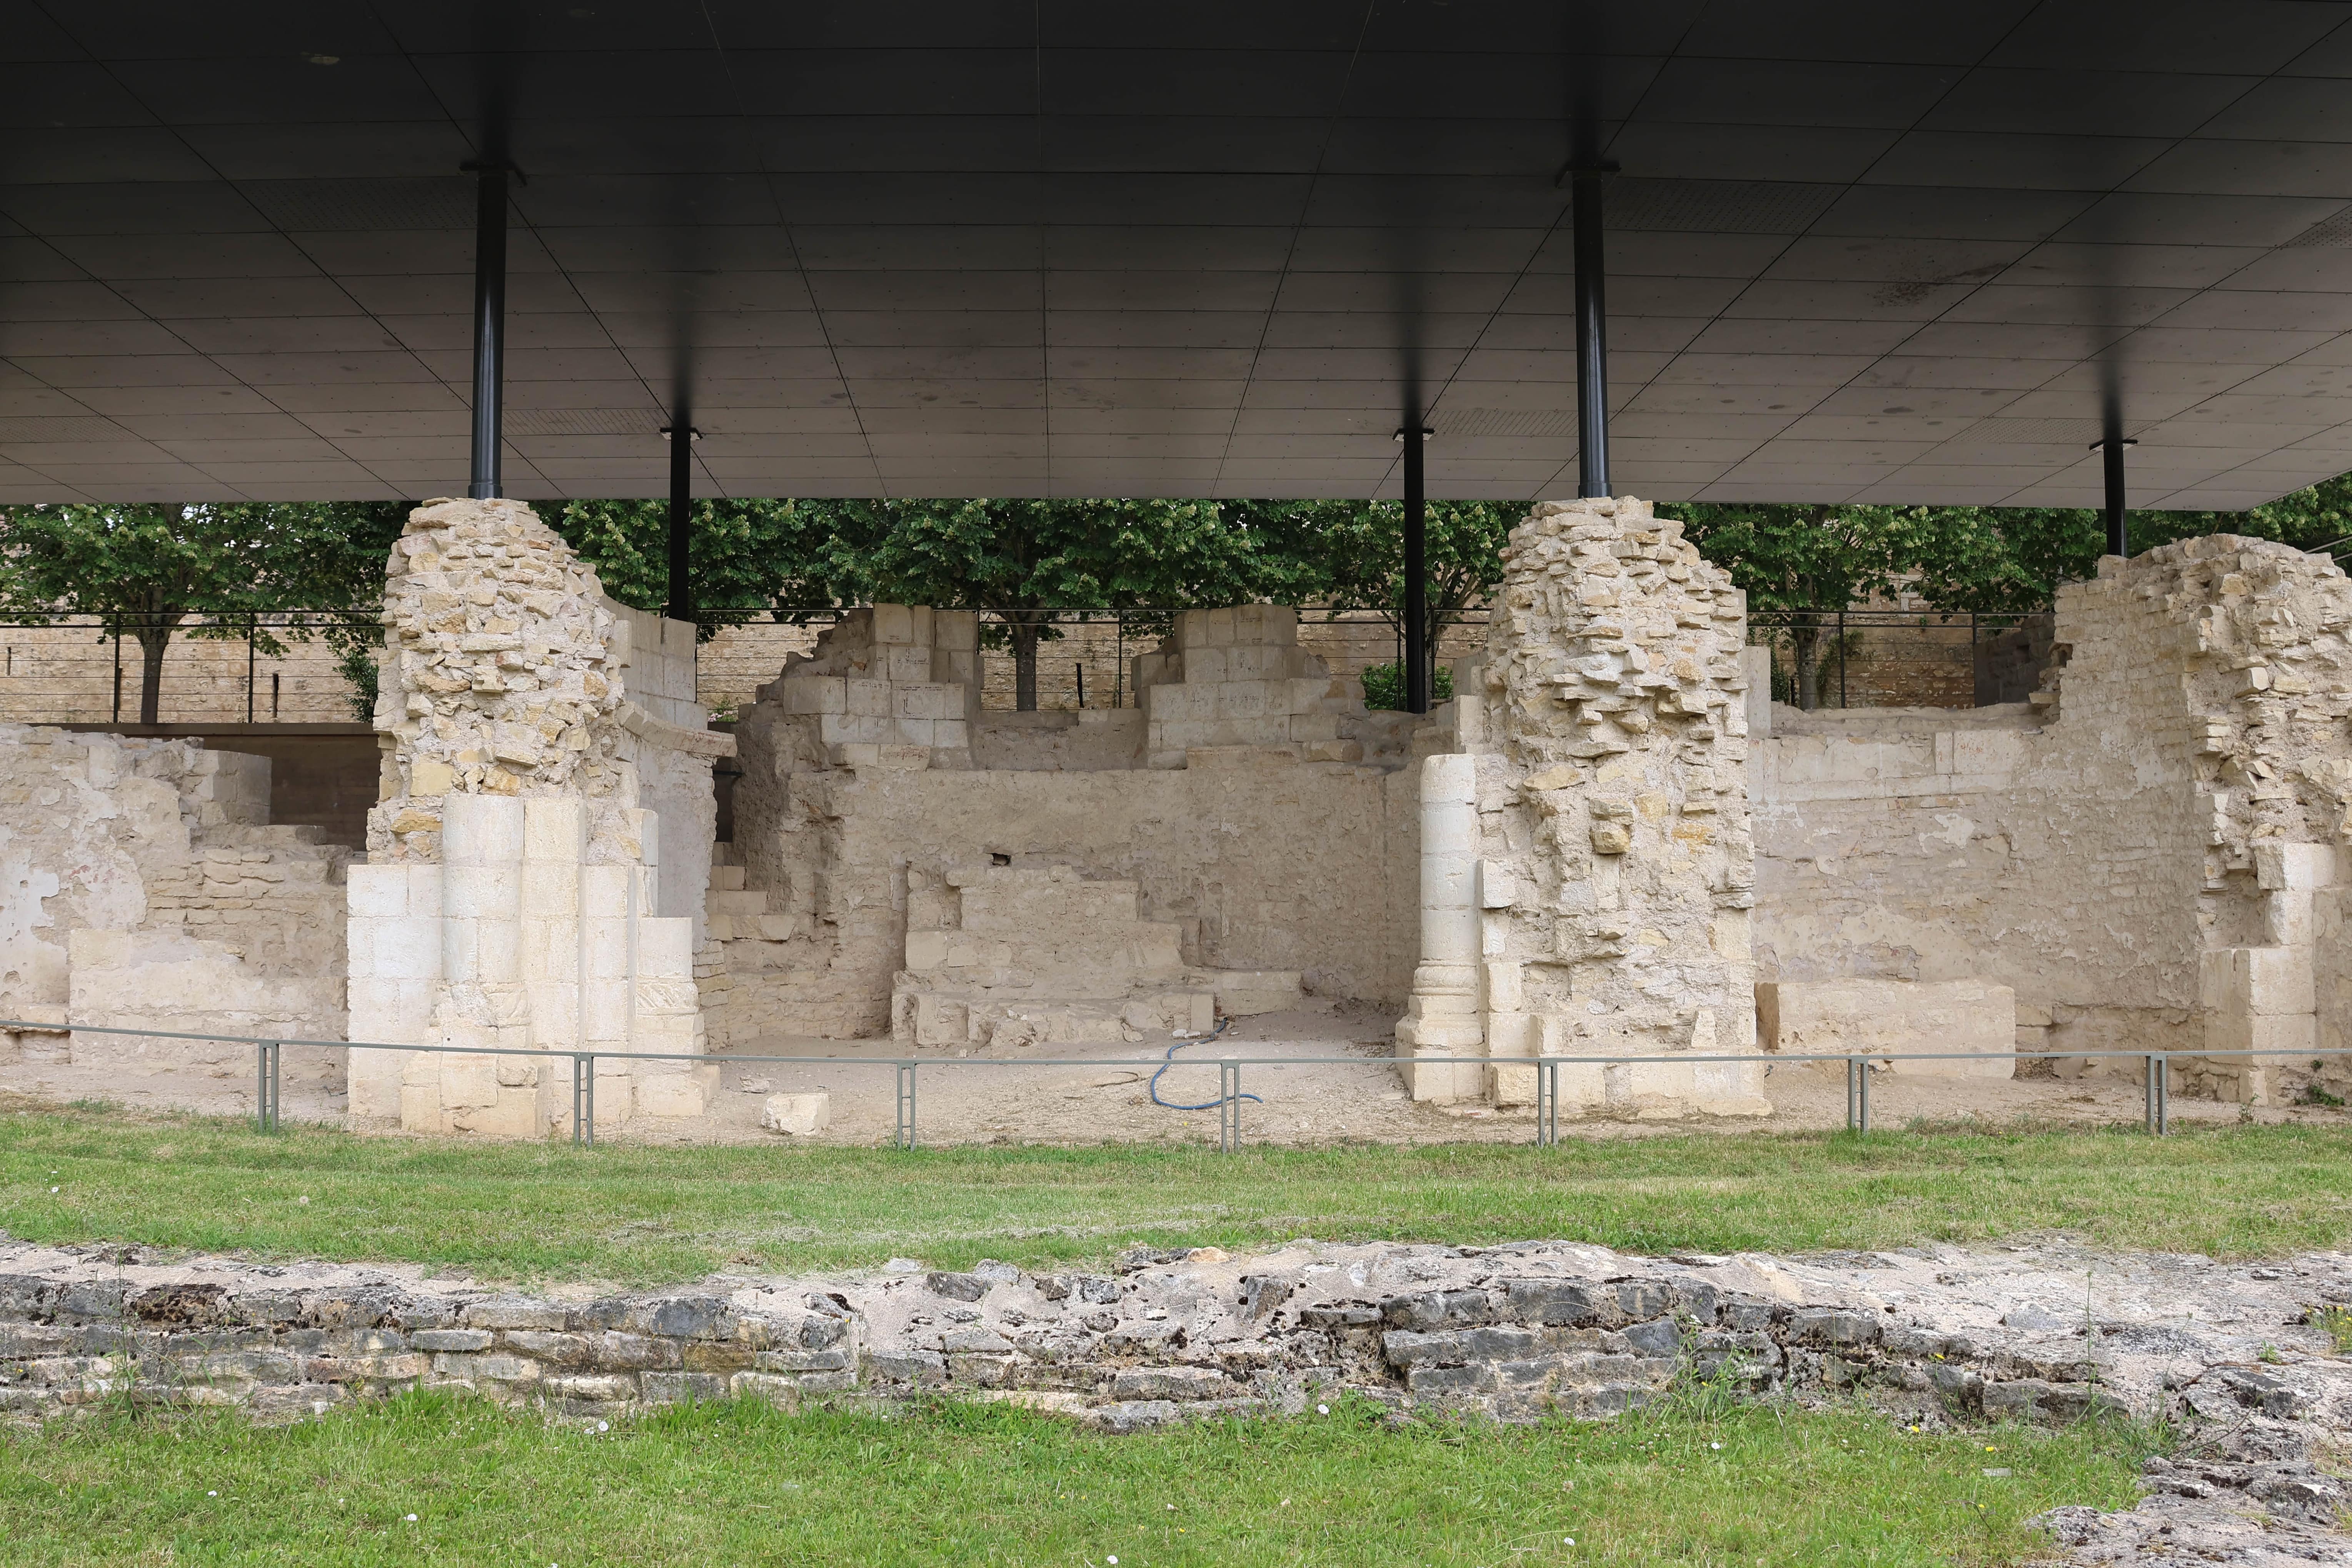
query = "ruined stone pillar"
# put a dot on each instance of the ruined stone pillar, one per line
(1615, 869)
(508, 904)
(1442, 1016)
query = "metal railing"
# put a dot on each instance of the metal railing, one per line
(1903, 658)
(1859, 1068)
(1085, 662)
(75, 667)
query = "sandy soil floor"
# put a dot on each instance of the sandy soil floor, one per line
(1102, 1093)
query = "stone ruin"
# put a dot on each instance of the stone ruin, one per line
(1587, 869)
(1612, 842)
(512, 899)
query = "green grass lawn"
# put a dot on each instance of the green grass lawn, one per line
(644, 1215)
(432, 1480)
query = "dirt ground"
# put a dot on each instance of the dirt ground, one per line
(1102, 1093)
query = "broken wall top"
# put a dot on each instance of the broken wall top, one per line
(500, 674)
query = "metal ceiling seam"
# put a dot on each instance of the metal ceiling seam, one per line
(1721, 313)
(2117, 346)
(791, 244)
(1290, 249)
(177, 135)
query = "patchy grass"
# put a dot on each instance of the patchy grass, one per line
(432, 1478)
(646, 1216)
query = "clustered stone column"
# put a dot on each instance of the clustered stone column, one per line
(1614, 869)
(507, 903)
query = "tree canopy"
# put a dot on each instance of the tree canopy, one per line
(148, 571)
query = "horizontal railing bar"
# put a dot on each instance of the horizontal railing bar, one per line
(1767, 1059)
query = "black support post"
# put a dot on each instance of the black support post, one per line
(1416, 569)
(2111, 448)
(490, 326)
(682, 438)
(1591, 334)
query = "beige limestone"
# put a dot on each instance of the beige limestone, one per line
(1004, 959)
(142, 887)
(800, 1115)
(1604, 736)
(513, 901)
(2146, 856)
(1893, 1018)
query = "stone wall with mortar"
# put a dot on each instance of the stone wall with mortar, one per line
(513, 900)
(2145, 854)
(1260, 862)
(869, 762)
(142, 886)
(1587, 864)
(1527, 1332)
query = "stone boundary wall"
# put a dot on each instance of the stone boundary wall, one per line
(1515, 1332)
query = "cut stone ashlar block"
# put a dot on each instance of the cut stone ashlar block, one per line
(1883, 1017)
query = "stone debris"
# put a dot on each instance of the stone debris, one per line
(1935, 1336)
(801, 1114)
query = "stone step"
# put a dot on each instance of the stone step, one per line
(742, 902)
(724, 853)
(726, 878)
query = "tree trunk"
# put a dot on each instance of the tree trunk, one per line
(1804, 642)
(153, 639)
(1025, 664)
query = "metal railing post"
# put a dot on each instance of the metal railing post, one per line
(1862, 1082)
(2157, 1106)
(265, 1086)
(1229, 1105)
(906, 1139)
(1546, 1095)
(591, 1100)
(1852, 1071)
(579, 1083)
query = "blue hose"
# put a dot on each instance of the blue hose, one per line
(1223, 1024)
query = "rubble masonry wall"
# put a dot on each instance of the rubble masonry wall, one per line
(2145, 854)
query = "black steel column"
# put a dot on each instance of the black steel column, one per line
(2119, 532)
(681, 523)
(1416, 571)
(1592, 335)
(490, 326)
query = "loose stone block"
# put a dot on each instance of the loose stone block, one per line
(1894, 1017)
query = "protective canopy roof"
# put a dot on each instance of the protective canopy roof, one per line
(1858, 249)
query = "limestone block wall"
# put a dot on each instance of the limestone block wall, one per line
(1261, 862)
(899, 677)
(512, 896)
(2145, 856)
(142, 886)
(1237, 677)
(1604, 739)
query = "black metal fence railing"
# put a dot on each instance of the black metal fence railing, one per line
(70, 667)
(1859, 1068)
(1903, 658)
(1085, 655)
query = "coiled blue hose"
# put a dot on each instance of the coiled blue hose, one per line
(1223, 1024)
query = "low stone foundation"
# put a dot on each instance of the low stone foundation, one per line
(1517, 1332)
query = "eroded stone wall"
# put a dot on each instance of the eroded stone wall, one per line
(2145, 853)
(1611, 869)
(142, 886)
(511, 905)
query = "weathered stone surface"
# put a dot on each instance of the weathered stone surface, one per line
(1587, 867)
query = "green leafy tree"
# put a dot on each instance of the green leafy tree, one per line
(1350, 555)
(1793, 559)
(147, 572)
(1029, 562)
(745, 559)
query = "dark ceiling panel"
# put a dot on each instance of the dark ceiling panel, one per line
(1855, 249)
